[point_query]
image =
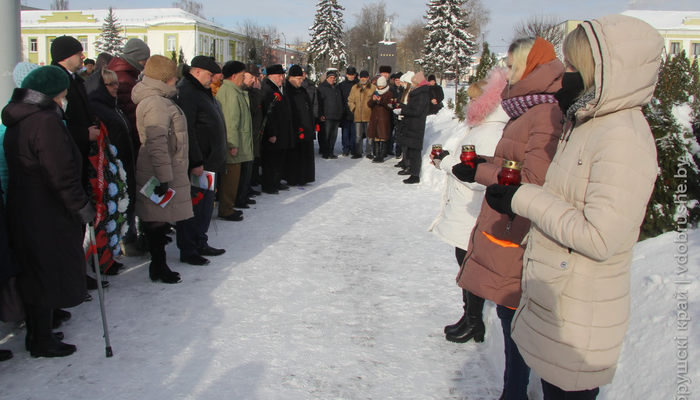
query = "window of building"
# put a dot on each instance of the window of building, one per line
(33, 45)
(84, 42)
(675, 48)
(695, 50)
(172, 43)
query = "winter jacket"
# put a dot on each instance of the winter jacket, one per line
(164, 154)
(44, 200)
(79, 117)
(302, 113)
(127, 76)
(461, 201)
(105, 108)
(239, 129)
(330, 102)
(493, 269)
(415, 113)
(574, 311)
(279, 118)
(255, 100)
(205, 125)
(438, 94)
(357, 101)
(345, 88)
(380, 121)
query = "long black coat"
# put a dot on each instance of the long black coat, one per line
(206, 128)
(255, 100)
(279, 120)
(300, 167)
(415, 113)
(330, 102)
(118, 127)
(438, 94)
(43, 199)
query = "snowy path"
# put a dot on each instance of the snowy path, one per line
(332, 292)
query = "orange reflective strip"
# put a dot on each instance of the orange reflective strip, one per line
(502, 243)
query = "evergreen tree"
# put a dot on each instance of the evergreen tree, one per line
(695, 98)
(110, 40)
(181, 58)
(448, 43)
(673, 153)
(487, 62)
(326, 44)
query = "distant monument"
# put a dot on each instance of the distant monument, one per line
(386, 50)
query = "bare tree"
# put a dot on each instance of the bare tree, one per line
(259, 42)
(190, 6)
(545, 26)
(59, 5)
(362, 39)
(478, 17)
(410, 45)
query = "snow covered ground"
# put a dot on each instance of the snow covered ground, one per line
(336, 291)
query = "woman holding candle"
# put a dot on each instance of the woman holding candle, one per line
(574, 310)
(493, 264)
(461, 201)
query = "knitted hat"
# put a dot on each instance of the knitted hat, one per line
(88, 61)
(351, 71)
(296, 70)
(381, 82)
(49, 80)
(407, 76)
(64, 47)
(275, 69)
(431, 78)
(331, 73)
(134, 51)
(418, 78)
(364, 74)
(206, 63)
(252, 69)
(385, 68)
(160, 68)
(21, 70)
(232, 68)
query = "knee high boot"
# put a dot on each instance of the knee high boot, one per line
(43, 343)
(158, 270)
(473, 326)
(450, 329)
(383, 145)
(375, 151)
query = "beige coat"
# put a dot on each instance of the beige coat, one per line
(574, 311)
(357, 101)
(164, 154)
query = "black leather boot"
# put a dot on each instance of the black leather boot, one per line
(455, 327)
(375, 151)
(158, 270)
(380, 151)
(473, 327)
(43, 341)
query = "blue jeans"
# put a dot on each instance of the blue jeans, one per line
(552, 392)
(517, 373)
(348, 129)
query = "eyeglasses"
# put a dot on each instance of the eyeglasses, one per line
(114, 84)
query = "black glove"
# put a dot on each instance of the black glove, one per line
(465, 173)
(161, 189)
(442, 155)
(86, 214)
(499, 198)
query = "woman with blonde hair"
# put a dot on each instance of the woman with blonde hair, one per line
(574, 310)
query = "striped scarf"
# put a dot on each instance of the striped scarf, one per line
(517, 106)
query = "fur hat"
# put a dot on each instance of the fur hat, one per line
(160, 68)
(204, 62)
(296, 70)
(275, 69)
(134, 51)
(381, 82)
(232, 68)
(49, 80)
(364, 74)
(21, 70)
(385, 68)
(64, 47)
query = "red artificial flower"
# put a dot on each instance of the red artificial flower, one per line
(278, 96)
(301, 129)
(318, 127)
(301, 136)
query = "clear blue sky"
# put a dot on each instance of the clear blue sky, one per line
(295, 17)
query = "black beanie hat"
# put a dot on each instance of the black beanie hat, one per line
(364, 74)
(49, 80)
(296, 70)
(232, 68)
(431, 78)
(64, 47)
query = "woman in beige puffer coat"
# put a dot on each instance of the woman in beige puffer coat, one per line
(162, 130)
(574, 310)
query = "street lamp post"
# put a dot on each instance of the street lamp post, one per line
(285, 49)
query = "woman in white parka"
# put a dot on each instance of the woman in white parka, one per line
(574, 310)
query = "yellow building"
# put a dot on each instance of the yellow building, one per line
(163, 29)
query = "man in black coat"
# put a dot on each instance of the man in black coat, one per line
(206, 131)
(415, 113)
(330, 111)
(437, 95)
(278, 136)
(347, 124)
(300, 166)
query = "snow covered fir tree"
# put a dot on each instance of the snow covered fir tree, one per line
(448, 44)
(326, 45)
(110, 40)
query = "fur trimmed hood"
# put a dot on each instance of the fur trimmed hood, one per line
(490, 98)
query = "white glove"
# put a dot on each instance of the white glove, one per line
(436, 162)
(397, 111)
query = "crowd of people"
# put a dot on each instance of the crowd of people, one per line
(146, 140)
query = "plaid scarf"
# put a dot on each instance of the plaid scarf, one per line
(517, 106)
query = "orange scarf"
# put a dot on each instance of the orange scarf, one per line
(541, 53)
